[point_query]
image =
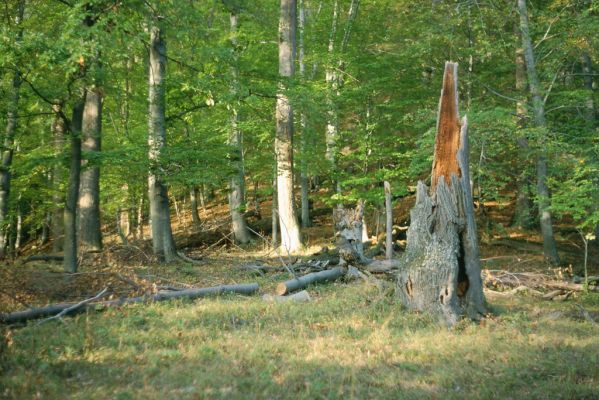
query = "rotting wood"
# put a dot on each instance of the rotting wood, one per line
(302, 282)
(194, 293)
(348, 231)
(440, 271)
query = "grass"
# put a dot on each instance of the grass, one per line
(352, 341)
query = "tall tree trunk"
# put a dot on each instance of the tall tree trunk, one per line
(290, 234)
(70, 209)
(587, 70)
(440, 271)
(549, 245)
(334, 82)
(139, 228)
(274, 214)
(162, 237)
(388, 222)
(523, 211)
(9, 135)
(332, 129)
(237, 180)
(90, 234)
(304, 184)
(58, 135)
(193, 197)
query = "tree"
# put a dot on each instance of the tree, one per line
(90, 234)
(440, 271)
(6, 154)
(163, 243)
(236, 182)
(290, 235)
(538, 106)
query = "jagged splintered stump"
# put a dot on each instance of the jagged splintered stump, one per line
(440, 271)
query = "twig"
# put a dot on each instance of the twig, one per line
(75, 307)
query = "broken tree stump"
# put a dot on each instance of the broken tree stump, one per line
(440, 271)
(348, 231)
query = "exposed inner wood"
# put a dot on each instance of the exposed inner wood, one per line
(447, 141)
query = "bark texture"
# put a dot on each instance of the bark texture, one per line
(302, 282)
(290, 234)
(440, 271)
(195, 293)
(388, 222)
(58, 136)
(348, 232)
(6, 153)
(90, 234)
(237, 180)
(304, 183)
(70, 260)
(162, 236)
(549, 245)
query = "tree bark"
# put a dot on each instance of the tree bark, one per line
(237, 180)
(440, 271)
(9, 134)
(193, 197)
(544, 201)
(389, 222)
(58, 135)
(163, 243)
(302, 282)
(587, 70)
(70, 210)
(523, 211)
(348, 232)
(90, 234)
(54, 309)
(289, 229)
(304, 183)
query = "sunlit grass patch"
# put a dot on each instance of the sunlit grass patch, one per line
(352, 341)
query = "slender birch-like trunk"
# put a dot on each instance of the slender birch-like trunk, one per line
(290, 233)
(544, 201)
(237, 180)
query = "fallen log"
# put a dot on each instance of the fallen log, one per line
(302, 282)
(194, 293)
(383, 266)
(43, 257)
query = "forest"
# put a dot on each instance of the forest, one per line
(299, 199)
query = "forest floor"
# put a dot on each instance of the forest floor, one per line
(352, 340)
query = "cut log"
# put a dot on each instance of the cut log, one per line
(299, 297)
(22, 316)
(302, 282)
(348, 231)
(383, 266)
(440, 271)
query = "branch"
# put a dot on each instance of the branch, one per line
(74, 307)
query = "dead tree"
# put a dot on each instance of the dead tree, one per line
(440, 271)
(348, 230)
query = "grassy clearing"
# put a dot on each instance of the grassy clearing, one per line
(351, 342)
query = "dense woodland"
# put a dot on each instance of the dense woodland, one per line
(166, 129)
